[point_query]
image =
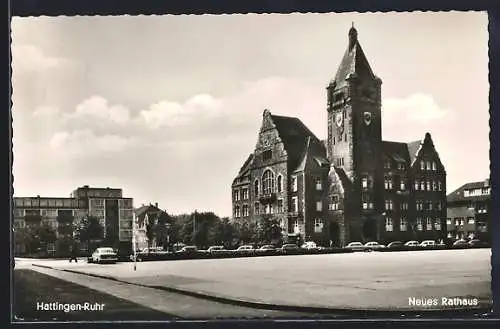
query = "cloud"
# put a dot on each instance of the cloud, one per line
(168, 113)
(31, 58)
(85, 143)
(97, 107)
(418, 108)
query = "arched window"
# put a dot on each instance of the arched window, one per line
(256, 187)
(268, 182)
(280, 183)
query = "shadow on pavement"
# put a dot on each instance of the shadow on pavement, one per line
(32, 288)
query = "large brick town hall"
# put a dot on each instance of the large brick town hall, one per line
(352, 187)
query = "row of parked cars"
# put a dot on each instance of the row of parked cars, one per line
(398, 245)
(109, 255)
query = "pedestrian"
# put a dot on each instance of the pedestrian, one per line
(74, 254)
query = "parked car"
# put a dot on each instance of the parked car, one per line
(310, 245)
(153, 253)
(217, 250)
(395, 245)
(266, 249)
(477, 243)
(369, 246)
(461, 243)
(428, 244)
(356, 246)
(104, 255)
(412, 244)
(246, 249)
(188, 250)
(289, 248)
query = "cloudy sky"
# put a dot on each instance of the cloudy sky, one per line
(168, 107)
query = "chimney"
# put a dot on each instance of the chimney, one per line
(156, 204)
(487, 182)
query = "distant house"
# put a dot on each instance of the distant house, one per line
(143, 215)
(468, 211)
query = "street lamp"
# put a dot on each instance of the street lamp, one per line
(167, 226)
(134, 247)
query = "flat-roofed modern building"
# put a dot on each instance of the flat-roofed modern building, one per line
(115, 213)
(468, 211)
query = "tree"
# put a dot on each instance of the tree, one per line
(222, 233)
(245, 232)
(88, 229)
(269, 230)
(45, 234)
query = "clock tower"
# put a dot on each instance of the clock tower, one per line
(355, 127)
(354, 113)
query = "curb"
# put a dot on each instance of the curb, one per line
(482, 312)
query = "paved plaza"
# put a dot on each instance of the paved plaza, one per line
(370, 281)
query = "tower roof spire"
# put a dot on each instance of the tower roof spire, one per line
(354, 61)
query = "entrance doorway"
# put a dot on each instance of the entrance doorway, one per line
(334, 234)
(369, 229)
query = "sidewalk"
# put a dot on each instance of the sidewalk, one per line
(180, 306)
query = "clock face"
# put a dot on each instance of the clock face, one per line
(367, 118)
(339, 119)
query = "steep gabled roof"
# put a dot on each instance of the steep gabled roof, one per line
(341, 176)
(354, 62)
(396, 151)
(314, 152)
(294, 135)
(413, 149)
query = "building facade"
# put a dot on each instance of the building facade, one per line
(468, 212)
(144, 215)
(352, 187)
(115, 214)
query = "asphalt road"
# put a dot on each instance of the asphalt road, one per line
(371, 281)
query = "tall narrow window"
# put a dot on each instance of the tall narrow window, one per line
(256, 209)
(256, 188)
(295, 204)
(319, 184)
(280, 183)
(434, 165)
(294, 184)
(268, 182)
(419, 223)
(422, 165)
(417, 185)
(388, 224)
(364, 182)
(280, 206)
(437, 224)
(319, 206)
(429, 224)
(236, 195)
(334, 204)
(267, 155)
(402, 224)
(402, 185)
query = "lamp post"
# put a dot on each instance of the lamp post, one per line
(167, 226)
(134, 248)
(194, 229)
